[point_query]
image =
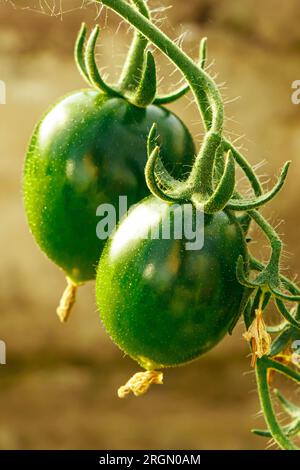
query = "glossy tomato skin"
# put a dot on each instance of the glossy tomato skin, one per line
(86, 151)
(162, 304)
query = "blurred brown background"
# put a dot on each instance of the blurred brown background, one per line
(58, 389)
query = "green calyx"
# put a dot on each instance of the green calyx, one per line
(138, 83)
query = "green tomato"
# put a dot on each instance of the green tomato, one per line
(87, 150)
(161, 303)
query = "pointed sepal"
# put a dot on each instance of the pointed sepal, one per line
(92, 69)
(146, 91)
(287, 315)
(250, 204)
(79, 53)
(224, 190)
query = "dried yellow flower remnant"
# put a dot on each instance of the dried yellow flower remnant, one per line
(67, 301)
(139, 383)
(259, 337)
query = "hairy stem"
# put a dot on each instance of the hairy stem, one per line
(276, 246)
(245, 166)
(200, 82)
(133, 68)
(266, 402)
(291, 286)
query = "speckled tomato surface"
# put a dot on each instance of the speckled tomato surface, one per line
(86, 151)
(161, 303)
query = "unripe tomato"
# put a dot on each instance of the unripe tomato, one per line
(87, 150)
(162, 304)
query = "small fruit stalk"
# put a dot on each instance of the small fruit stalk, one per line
(89, 149)
(211, 187)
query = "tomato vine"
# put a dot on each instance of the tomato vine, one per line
(137, 82)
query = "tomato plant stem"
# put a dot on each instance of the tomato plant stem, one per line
(262, 367)
(276, 244)
(133, 67)
(199, 81)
